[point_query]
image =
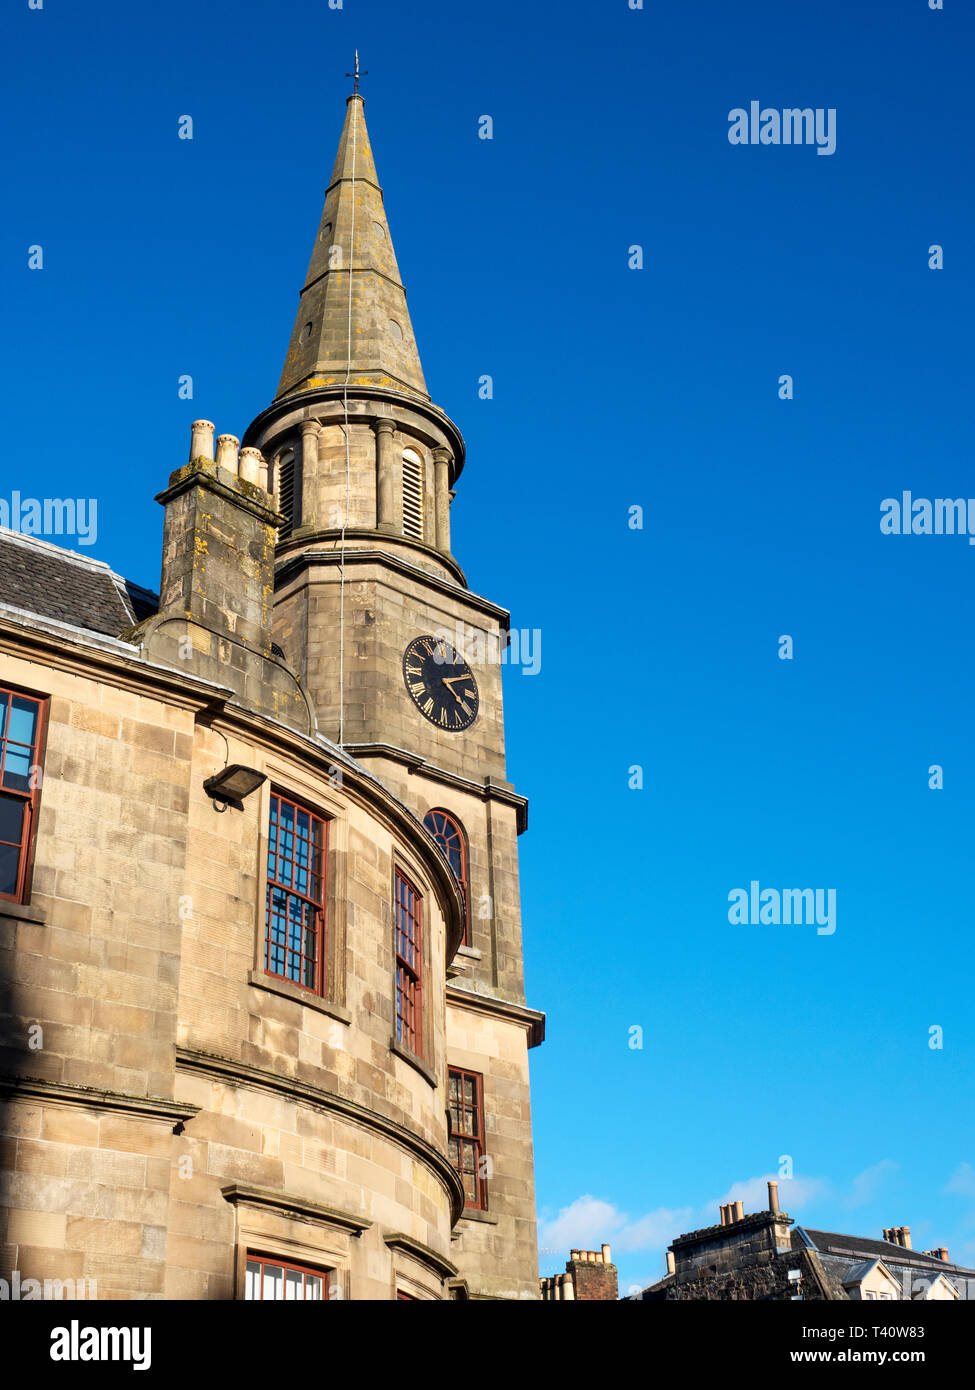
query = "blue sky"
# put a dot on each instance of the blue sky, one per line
(613, 388)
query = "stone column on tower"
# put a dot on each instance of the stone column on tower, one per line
(441, 488)
(385, 476)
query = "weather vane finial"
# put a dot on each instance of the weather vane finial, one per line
(357, 74)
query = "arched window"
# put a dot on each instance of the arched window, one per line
(284, 489)
(449, 835)
(412, 494)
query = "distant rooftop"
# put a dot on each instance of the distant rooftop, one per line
(864, 1248)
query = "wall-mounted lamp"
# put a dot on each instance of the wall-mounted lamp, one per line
(234, 783)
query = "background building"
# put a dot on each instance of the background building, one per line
(764, 1255)
(264, 1026)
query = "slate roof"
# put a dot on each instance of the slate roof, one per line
(863, 1248)
(858, 1272)
(54, 583)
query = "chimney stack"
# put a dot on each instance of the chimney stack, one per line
(591, 1276)
(216, 595)
(218, 541)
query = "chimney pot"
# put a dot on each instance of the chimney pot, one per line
(250, 466)
(739, 1211)
(201, 440)
(227, 448)
(906, 1237)
(773, 1196)
(607, 1258)
(671, 1262)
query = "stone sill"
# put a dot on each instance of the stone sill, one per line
(258, 980)
(23, 912)
(471, 952)
(411, 1059)
(475, 1214)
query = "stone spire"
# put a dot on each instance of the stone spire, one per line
(353, 233)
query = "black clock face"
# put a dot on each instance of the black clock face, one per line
(441, 684)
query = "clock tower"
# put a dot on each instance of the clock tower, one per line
(400, 660)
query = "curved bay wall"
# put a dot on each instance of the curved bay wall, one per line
(182, 1107)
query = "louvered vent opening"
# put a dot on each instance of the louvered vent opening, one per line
(412, 495)
(285, 489)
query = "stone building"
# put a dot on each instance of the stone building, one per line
(261, 986)
(765, 1255)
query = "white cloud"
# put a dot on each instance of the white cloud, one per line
(585, 1224)
(866, 1185)
(962, 1180)
(588, 1221)
(794, 1194)
(654, 1231)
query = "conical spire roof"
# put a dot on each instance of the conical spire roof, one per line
(353, 244)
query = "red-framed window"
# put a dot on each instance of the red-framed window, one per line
(280, 1281)
(409, 964)
(465, 1105)
(449, 835)
(21, 734)
(294, 929)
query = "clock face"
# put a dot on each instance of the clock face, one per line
(441, 684)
